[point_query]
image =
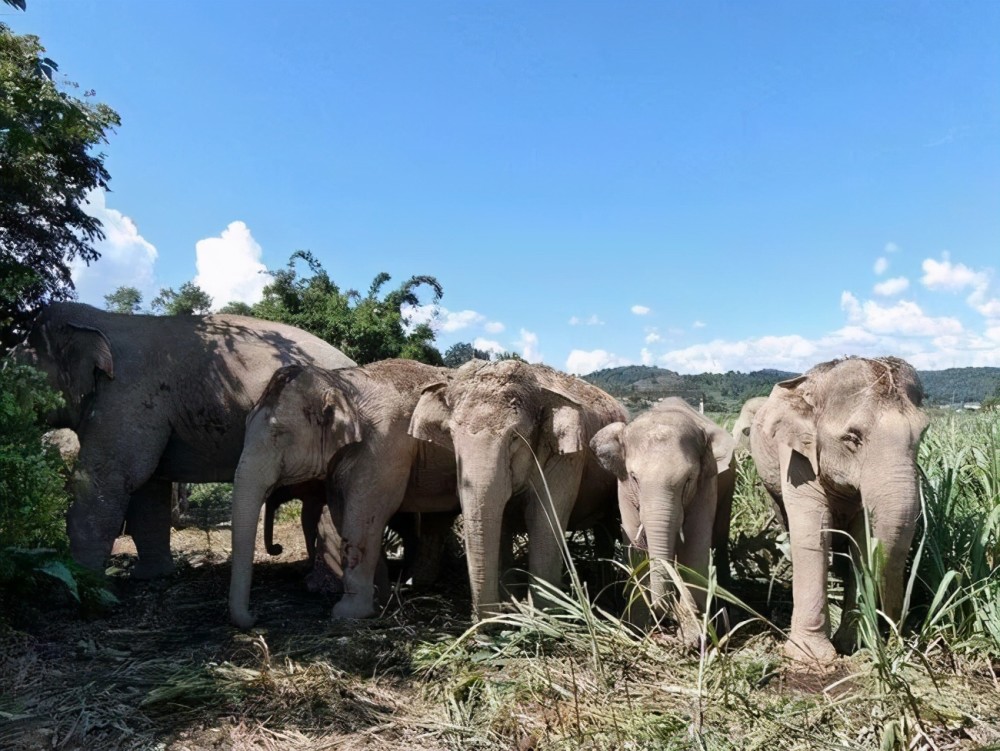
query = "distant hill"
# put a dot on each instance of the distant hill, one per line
(725, 392)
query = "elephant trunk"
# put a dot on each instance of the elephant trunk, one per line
(662, 514)
(269, 511)
(249, 492)
(890, 493)
(484, 489)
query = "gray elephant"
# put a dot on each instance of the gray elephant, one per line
(504, 421)
(153, 400)
(830, 445)
(675, 471)
(350, 427)
(741, 428)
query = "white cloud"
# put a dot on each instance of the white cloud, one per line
(646, 356)
(528, 343)
(891, 247)
(641, 310)
(951, 277)
(127, 258)
(881, 264)
(582, 362)
(229, 266)
(990, 308)
(783, 352)
(593, 320)
(574, 321)
(488, 345)
(653, 336)
(893, 286)
(904, 317)
(494, 327)
(698, 325)
(450, 321)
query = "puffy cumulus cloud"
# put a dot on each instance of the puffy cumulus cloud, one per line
(127, 258)
(439, 318)
(904, 317)
(528, 344)
(645, 356)
(784, 352)
(641, 310)
(881, 265)
(952, 277)
(582, 362)
(893, 286)
(488, 345)
(229, 266)
(653, 336)
(990, 308)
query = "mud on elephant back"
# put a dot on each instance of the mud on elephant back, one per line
(831, 446)
(154, 399)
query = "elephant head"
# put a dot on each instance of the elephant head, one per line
(830, 445)
(294, 431)
(500, 419)
(668, 461)
(741, 428)
(73, 356)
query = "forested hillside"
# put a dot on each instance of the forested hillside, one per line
(724, 392)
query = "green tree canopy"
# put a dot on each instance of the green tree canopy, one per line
(48, 165)
(366, 328)
(460, 353)
(190, 299)
(125, 300)
(236, 308)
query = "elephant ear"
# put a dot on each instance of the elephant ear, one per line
(791, 420)
(341, 417)
(722, 446)
(84, 352)
(431, 416)
(564, 421)
(610, 450)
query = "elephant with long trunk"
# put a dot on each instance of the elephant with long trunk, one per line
(349, 428)
(154, 400)
(676, 475)
(520, 430)
(831, 446)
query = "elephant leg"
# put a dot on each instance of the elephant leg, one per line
(327, 570)
(430, 542)
(313, 497)
(96, 516)
(845, 637)
(547, 516)
(726, 483)
(148, 521)
(366, 513)
(809, 521)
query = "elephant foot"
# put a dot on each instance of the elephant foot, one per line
(355, 606)
(810, 650)
(146, 569)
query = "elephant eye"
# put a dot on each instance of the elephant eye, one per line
(852, 437)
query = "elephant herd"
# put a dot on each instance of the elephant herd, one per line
(512, 446)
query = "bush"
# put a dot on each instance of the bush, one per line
(33, 497)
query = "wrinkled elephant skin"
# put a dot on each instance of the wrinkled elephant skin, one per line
(154, 399)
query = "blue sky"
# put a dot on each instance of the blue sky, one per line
(700, 186)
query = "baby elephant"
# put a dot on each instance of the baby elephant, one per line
(350, 427)
(676, 476)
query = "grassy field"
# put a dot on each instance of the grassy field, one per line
(163, 670)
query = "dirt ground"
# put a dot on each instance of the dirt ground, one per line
(165, 670)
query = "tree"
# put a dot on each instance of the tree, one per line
(366, 328)
(48, 166)
(125, 300)
(189, 300)
(236, 308)
(462, 352)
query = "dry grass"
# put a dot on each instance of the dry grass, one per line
(164, 670)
